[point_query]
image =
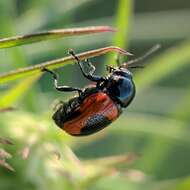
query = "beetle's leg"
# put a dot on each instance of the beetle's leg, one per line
(61, 88)
(90, 75)
(91, 66)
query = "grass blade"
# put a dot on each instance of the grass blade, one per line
(17, 91)
(123, 20)
(52, 34)
(12, 75)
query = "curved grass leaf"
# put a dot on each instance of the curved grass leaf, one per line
(12, 75)
(51, 34)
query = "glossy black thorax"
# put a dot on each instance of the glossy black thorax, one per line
(120, 87)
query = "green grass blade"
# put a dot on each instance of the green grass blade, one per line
(123, 18)
(12, 75)
(170, 61)
(52, 34)
(13, 95)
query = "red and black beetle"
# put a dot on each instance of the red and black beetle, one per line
(98, 105)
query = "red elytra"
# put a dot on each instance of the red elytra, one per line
(98, 104)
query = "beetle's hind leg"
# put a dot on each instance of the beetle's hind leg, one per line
(61, 88)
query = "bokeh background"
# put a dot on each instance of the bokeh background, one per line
(148, 148)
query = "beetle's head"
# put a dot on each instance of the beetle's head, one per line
(120, 82)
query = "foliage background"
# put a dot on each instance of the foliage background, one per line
(155, 126)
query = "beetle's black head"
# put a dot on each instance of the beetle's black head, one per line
(121, 86)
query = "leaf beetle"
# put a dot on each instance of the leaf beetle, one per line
(98, 105)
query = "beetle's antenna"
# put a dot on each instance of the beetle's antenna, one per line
(149, 52)
(136, 67)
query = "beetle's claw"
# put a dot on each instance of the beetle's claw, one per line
(45, 69)
(71, 52)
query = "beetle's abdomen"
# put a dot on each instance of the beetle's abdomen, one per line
(95, 113)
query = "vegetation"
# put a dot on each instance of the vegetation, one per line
(147, 148)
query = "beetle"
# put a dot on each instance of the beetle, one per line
(98, 105)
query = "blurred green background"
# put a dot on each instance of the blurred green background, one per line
(155, 126)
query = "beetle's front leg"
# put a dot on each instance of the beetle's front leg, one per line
(90, 76)
(91, 66)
